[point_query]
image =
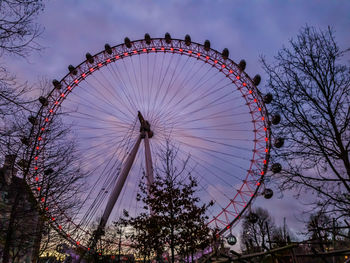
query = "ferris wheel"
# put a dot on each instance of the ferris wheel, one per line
(126, 102)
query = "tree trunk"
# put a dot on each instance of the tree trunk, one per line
(37, 239)
(10, 230)
(172, 245)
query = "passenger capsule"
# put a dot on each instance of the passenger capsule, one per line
(25, 141)
(167, 38)
(56, 84)
(60, 248)
(257, 80)
(206, 45)
(268, 193)
(32, 120)
(242, 64)
(276, 168)
(43, 101)
(48, 171)
(108, 49)
(127, 42)
(279, 142)
(276, 118)
(72, 70)
(89, 58)
(187, 40)
(231, 239)
(225, 53)
(147, 39)
(268, 98)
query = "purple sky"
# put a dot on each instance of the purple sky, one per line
(247, 28)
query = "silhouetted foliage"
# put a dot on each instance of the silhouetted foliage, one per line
(18, 29)
(311, 91)
(18, 32)
(256, 232)
(58, 177)
(172, 217)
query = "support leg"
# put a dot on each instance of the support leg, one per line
(120, 183)
(115, 193)
(149, 167)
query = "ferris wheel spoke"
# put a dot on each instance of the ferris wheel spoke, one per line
(207, 93)
(95, 119)
(181, 85)
(92, 156)
(123, 87)
(111, 99)
(208, 151)
(213, 103)
(142, 85)
(119, 146)
(158, 85)
(111, 173)
(215, 117)
(133, 199)
(150, 85)
(110, 119)
(205, 117)
(204, 187)
(98, 199)
(211, 127)
(174, 76)
(212, 142)
(163, 104)
(147, 84)
(111, 126)
(119, 83)
(130, 188)
(91, 106)
(114, 95)
(94, 90)
(132, 86)
(202, 177)
(102, 136)
(137, 84)
(200, 160)
(86, 127)
(178, 104)
(162, 80)
(202, 80)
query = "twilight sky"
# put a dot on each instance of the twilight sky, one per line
(247, 28)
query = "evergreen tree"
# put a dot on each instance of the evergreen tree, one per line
(172, 217)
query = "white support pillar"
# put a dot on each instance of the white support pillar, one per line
(148, 158)
(145, 133)
(120, 183)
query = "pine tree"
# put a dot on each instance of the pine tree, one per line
(172, 217)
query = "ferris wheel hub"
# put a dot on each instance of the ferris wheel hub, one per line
(145, 126)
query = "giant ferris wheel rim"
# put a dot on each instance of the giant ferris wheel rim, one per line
(195, 50)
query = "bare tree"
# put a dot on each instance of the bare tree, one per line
(258, 226)
(18, 32)
(310, 85)
(54, 185)
(18, 29)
